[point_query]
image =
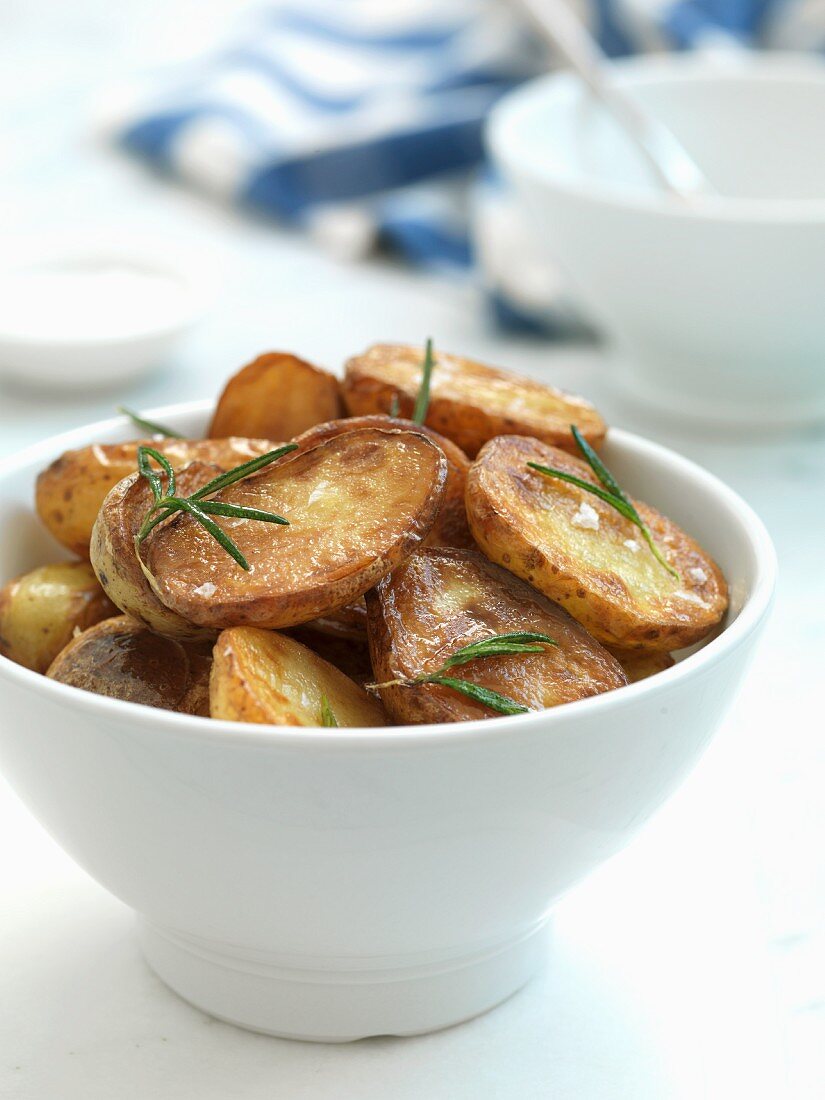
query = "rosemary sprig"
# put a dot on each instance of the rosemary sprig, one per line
(497, 646)
(611, 494)
(148, 425)
(167, 502)
(422, 401)
(327, 714)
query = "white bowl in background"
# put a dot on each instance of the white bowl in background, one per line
(714, 308)
(95, 309)
(334, 884)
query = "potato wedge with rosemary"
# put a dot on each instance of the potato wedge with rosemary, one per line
(469, 402)
(116, 563)
(638, 664)
(40, 611)
(121, 659)
(276, 396)
(450, 528)
(441, 600)
(584, 554)
(357, 505)
(70, 492)
(265, 677)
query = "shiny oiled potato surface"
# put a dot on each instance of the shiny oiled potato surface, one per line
(404, 543)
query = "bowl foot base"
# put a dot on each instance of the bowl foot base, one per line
(326, 1002)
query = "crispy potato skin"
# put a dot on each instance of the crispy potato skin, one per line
(69, 493)
(347, 623)
(441, 599)
(451, 527)
(469, 402)
(265, 677)
(357, 505)
(121, 659)
(638, 664)
(350, 655)
(40, 611)
(622, 595)
(276, 396)
(115, 561)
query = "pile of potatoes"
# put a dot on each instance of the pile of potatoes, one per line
(405, 542)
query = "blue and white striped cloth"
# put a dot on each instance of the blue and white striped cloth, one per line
(361, 121)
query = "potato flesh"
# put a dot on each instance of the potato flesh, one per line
(265, 677)
(469, 401)
(40, 611)
(451, 527)
(440, 600)
(115, 560)
(121, 659)
(357, 505)
(277, 395)
(606, 577)
(71, 490)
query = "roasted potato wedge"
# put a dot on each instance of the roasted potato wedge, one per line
(70, 492)
(350, 655)
(115, 560)
(276, 396)
(265, 677)
(638, 664)
(357, 506)
(469, 402)
(120, 658)
(348, 622)
(442, 599)
(450, 528)
(584, 555)
(40, 611)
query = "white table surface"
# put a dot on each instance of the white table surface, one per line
(691, 966)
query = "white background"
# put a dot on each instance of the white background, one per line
(689, 967)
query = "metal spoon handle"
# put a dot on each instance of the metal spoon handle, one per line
(671, 164)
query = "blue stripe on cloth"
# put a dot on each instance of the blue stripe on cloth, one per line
(289, 187)
(331, 30)
(425, 242)
(255, 61)
(687, 21)
(152, 137)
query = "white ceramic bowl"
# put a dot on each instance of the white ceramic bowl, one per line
(80, 311)
(333, 884)
(713, 308)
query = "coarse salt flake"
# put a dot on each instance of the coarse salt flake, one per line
(698, 576)
(206, 589)
(587, 517)
(632, 544)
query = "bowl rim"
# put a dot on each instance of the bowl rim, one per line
(310, 738)
(644, 71)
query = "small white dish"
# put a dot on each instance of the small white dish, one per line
(338, 883)
(96, 310)
(713, 308)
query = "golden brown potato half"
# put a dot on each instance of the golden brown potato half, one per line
(440, 600)
(639, 664)
(276, 396)
(350, 655)
(115, 561)
(265, 677)
(70, 492)
(469, 402)
(583, 554)
(40, 611)
(120, 658)
(348, 622)
(451, 528)
(357, 505)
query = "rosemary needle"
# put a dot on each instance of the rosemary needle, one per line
(422, 401)
(497, 646)
(148, 425)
